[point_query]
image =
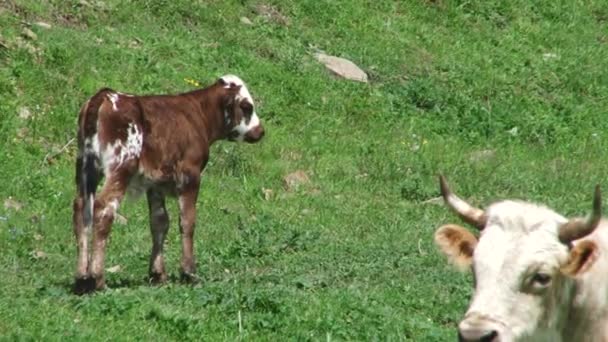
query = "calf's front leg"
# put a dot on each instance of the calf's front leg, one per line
(187, 219)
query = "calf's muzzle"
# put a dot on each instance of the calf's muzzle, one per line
(255, 134)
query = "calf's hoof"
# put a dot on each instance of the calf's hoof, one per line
(190, 278)
(84, 285)
(157, 278)
(100, 283)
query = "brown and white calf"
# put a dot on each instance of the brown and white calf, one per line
(538, 276)
(153, 144)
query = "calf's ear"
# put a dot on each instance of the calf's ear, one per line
(582, 256)
(232, 87)
(457, 243)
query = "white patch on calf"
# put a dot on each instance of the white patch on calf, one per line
(227, 118)
(121, 151)
(114, 99)
(243, 128)
(110, 208)
(237, 81)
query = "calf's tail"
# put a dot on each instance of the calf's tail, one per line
(89, 173)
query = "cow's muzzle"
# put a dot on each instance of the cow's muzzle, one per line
(477, 329)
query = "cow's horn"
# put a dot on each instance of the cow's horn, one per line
(468, 213)
(577, 228)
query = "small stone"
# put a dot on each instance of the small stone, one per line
(549, 55)
(38, 255)
(268, 193)
(10, 203)
(24, 113)
(246, 21)
(43, 25)
(513, 131)
(342, 67)
(114, 269)
(37, 237)
(295, 179)
(482, 155)
(29, 34)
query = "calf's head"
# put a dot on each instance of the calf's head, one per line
(523, 264)
(241, 120)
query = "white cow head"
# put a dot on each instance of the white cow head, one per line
(523, 263)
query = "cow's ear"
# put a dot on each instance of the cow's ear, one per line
(582, 256)
(457, 243)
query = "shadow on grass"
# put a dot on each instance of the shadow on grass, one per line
(67, 286)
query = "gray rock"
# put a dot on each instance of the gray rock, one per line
(10, 203)
(295, 179)
(482, 155)
(43, 25)
(24, 113)
(246, 21)
(342, 67)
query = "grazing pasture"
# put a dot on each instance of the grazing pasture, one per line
(324, 229)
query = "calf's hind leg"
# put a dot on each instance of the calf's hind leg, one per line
(106, 205)
(159, 225)
(82, 223)
(83, 283)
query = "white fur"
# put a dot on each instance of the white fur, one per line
(110, 208)
(243, 92)
(243, 128)
(114, 99)
(121, 151)
(519, 241)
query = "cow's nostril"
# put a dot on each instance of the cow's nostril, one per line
(489, 337)
(477, 335)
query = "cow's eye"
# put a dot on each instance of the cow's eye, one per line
(541, 279)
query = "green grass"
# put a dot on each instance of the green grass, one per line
(348, 256)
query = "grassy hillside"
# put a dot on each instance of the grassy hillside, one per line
(506, 98)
